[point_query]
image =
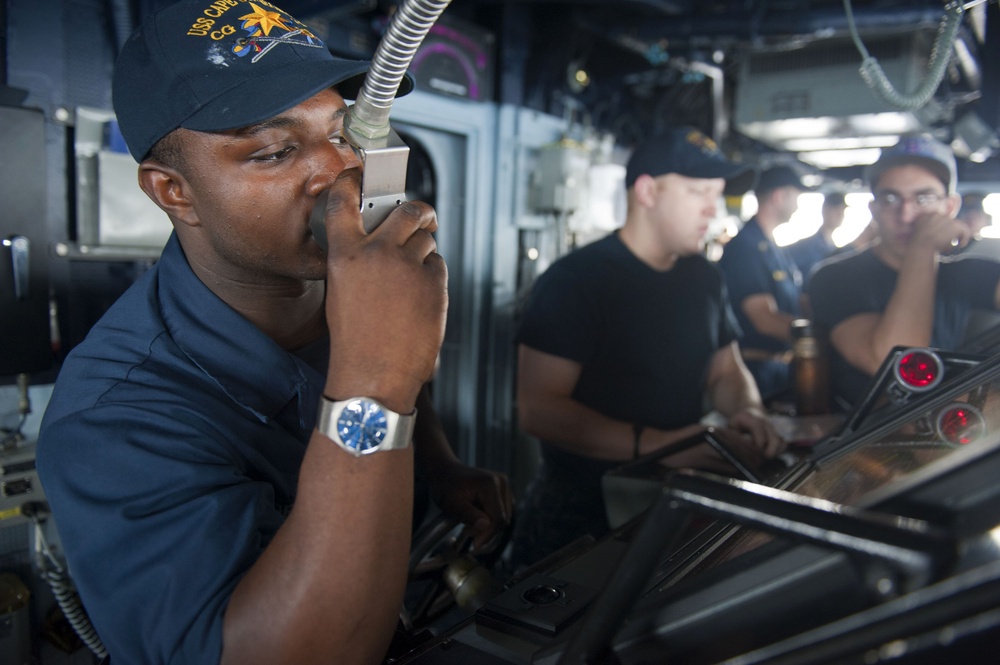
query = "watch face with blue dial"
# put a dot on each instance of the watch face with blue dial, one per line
(362, 425)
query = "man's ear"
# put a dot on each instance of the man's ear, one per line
(168, 189)
(645, 190)
(954, 204)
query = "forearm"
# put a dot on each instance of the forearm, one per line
(308, 598)
(908, 319)
(775, 324)
(585, 431)
(479, 498)
(762, 311)
(729, 385)
(736, 394)
(431, 448)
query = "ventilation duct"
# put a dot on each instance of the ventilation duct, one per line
(813, 101)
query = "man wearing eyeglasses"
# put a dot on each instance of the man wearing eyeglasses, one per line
(904, 290)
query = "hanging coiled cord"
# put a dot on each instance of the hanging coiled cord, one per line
(876, 79)
(407, 29)
(63, 589)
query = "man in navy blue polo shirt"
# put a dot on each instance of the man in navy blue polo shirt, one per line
(764, 283)
(812, 249)
(227, 454)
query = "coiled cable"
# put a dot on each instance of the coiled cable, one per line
(63, 589)
(874, 76)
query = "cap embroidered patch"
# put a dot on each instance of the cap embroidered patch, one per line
(253, 30)
(702, 142)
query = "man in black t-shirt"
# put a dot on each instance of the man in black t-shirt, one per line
(904, 290)
(623, 340)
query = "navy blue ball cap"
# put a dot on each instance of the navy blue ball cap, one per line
(687, 152)
(923, 151)
(777, 177)
(213, 65)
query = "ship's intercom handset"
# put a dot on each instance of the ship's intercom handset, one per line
(366, 126)
(383, 181)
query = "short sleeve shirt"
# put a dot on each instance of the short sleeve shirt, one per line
(753, 265)
(644, 338)
(170, 453)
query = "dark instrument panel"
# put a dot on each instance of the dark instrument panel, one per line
(884, 536)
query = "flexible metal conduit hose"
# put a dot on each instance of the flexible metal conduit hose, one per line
(410, 24)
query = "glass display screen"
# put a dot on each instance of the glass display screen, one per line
(966, 420)
(971, 419)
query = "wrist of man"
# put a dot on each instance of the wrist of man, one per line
(923, 251)
(655, 440)
(363, 425)
(637, 431)
(756, 410)
(398, 397)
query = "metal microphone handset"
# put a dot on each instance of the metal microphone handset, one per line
(383, 181)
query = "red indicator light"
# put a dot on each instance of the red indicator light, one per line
(919, 369)
(960, 424)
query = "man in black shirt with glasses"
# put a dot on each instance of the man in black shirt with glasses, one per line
(904, 290)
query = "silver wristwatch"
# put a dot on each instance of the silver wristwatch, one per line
(362, 425)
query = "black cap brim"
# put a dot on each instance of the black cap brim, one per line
(741, 183)
(242, 106)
